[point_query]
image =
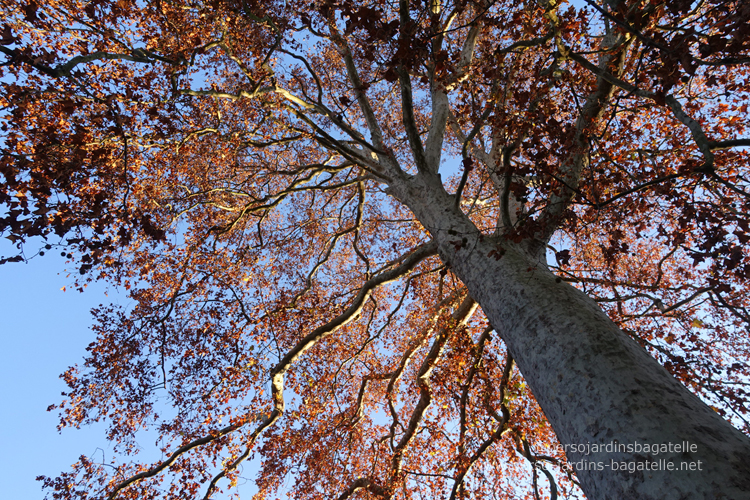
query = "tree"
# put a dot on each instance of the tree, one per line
(269, 180)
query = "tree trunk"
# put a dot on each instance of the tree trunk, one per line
(596, 385)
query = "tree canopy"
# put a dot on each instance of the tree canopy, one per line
(344, 223)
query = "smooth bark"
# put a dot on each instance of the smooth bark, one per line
(595, 384)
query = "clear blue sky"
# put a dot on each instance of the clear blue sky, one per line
(43, 330)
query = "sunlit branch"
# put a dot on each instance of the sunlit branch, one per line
(572, 278)
(318, 84)
(656, 302)
(407, 96)
(467, 141)
(436, 135)
(525, 44)
(273, 142)
(695, 128)
(326, 255)
(416, 343)
(350, 314)
(626, 26)
(427, 474)
(242, 94)
(699, 136)
(439, 93)
(354, 309)
(317, 168)
(591, 113)
(360, 398)
(409, 121)
(358, 225)
(327, 141)
(323, 110)
(265, 423)
(175, 455)
(364, 483)
(507, 152)
(276, 199)
(353, 156)
(635, 189)
(359, 406)
(726, 61)
(459, 319)
(478, 353)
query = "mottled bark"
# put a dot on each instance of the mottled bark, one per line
(595, 384)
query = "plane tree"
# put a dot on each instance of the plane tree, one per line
(394, 249)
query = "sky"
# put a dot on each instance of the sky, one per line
(43, 330)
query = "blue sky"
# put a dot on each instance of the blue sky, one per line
(43, 330)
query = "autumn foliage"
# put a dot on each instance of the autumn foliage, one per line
(232, 165)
